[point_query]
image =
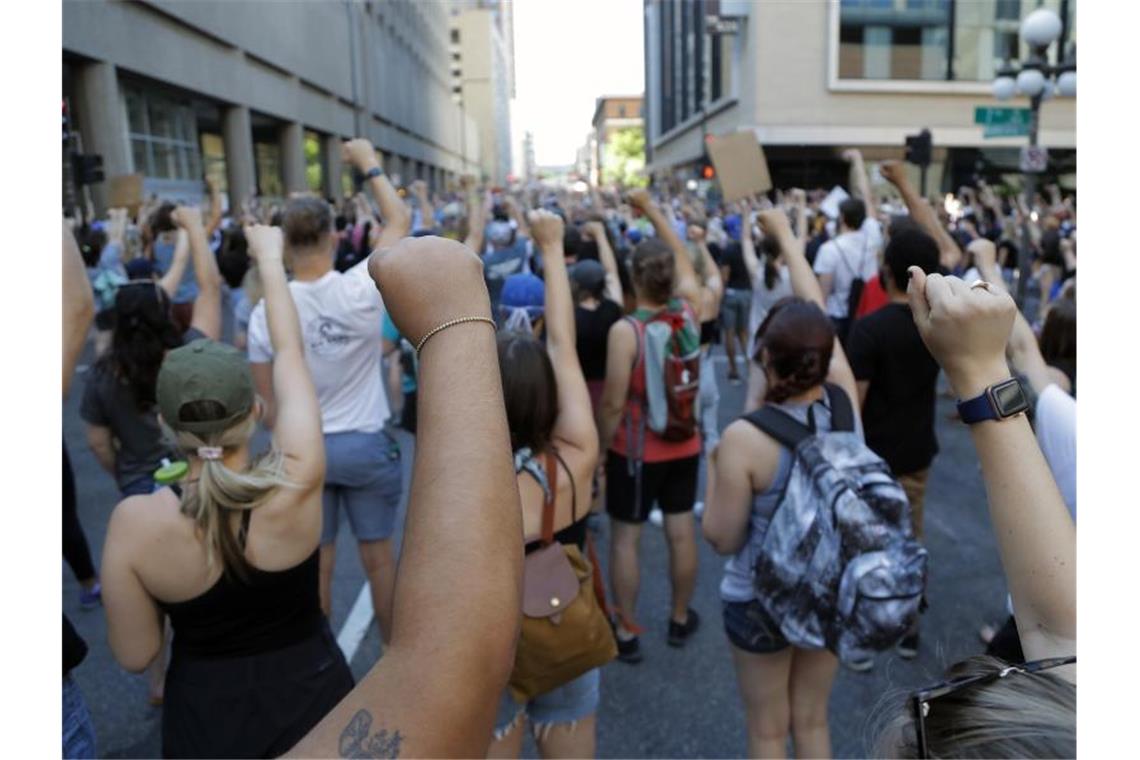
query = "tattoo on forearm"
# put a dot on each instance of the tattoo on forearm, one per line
(356, 743)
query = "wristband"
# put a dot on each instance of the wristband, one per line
(375, 171)
(452, 323)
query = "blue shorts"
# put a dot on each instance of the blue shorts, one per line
(362, 475)
(572, 702)
(750, 628)
(734, 309)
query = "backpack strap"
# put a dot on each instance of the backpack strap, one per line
(548, 503)
(842, 414)
(777, 423)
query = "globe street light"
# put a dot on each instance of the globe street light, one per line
(1039, 81)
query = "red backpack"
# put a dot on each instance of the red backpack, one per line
(670, 340)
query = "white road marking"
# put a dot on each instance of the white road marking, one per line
(355, 627)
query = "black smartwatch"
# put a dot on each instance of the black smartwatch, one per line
(375, 171)
(998, 402)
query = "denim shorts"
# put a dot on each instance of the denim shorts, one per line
(734, 309)
(363, 475)
(750, 628)
(572, 702)
(78, 730)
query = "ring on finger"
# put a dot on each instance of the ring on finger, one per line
(980, 285)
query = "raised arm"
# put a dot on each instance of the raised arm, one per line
(966, 331)
(515, 212)
(575, 424)
(748, 247)
(712, 288)
(427, 213)
(476, 214)
(805, 285)
(799, 203)
(78, 306)
(686, 286)
(297, 425)
(597, 232)
(397, 219)
(178, 263)
(207, 314)
(895, 173)
(460, 568)
(854, 156)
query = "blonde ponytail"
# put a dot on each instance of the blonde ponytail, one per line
(220, 491)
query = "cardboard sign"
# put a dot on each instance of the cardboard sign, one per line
(126, 191)
(740, 165)
(830, 204)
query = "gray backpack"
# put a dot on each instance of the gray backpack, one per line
(838, 566)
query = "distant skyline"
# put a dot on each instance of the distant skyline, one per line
(567, 54)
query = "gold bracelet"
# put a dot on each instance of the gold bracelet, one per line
(453, 323)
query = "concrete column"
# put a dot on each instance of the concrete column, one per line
(102, 122)
(330, 148)
(291, 138)
(241, 179)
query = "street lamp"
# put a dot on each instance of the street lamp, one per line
(1039, 81)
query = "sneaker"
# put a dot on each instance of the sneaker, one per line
(680, 632)
(629, 651)
(656, 517)
(860, 666)
(89, 600)
(908, 647)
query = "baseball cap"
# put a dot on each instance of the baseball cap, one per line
(204, 370)
(523, 290)
(633, 235)
(589, 275)
(732, 226)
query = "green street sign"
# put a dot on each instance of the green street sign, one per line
(1003, 122)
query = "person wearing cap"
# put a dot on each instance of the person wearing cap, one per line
(230, 552)
(521, 304)
(118, 404)
(341, 317)
(509, 255)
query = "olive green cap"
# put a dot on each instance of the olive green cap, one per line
(204, 370)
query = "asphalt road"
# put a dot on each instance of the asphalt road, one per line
(676, 702)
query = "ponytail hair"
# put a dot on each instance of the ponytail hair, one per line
(219, 491)
(798, 338)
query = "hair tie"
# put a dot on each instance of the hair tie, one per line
(210, 453)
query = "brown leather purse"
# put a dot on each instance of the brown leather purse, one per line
(565, 633)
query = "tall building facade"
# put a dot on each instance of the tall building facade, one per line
(482, 76)
(260, 95)
(812, 76)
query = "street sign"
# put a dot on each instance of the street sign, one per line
(1034, 159)
(1003, 122)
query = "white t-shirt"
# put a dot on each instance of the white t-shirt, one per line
(341, 317)
(1056, 425)
(763, 300)
(847, 256)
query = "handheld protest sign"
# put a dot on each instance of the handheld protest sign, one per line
(740, 165)
(126, 191)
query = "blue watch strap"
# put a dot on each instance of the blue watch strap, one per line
(977, 409)
(375, 171)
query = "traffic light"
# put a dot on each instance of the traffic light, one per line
(707, 171)
(918, 148)
(88, 169)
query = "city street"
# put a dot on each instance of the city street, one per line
(676, 702)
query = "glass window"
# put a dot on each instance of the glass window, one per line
(163, 135)
(136, 113)
(986, 34)
(140, 156)
(214, 159)
(268, 159)
(885, 39)
(313, 169)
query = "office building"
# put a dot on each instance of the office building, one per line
(814, 76)
(612, 113)
(260, 95)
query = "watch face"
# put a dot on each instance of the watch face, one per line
(1009, 398)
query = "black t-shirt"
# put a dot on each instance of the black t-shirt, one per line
(74, 647)
(593, 333)
(732, 256)
(898, 416)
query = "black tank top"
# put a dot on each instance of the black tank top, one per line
(235, 618)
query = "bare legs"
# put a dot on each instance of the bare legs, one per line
(682, 538)
(379, 564)
(625, 573)
(786, 690)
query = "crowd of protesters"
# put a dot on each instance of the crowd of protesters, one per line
(551, 352)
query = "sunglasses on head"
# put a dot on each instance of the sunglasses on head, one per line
(921, 700)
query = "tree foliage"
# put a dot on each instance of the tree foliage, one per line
(624, 161)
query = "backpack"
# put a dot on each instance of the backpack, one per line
(669, 345)
(565, 632)
(857, 282)
(838, 565)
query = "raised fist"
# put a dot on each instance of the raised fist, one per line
(360, 154)
(545, 228)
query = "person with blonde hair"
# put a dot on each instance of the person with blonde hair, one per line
(230, 552)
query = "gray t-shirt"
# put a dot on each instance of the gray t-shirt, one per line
(108, 402)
